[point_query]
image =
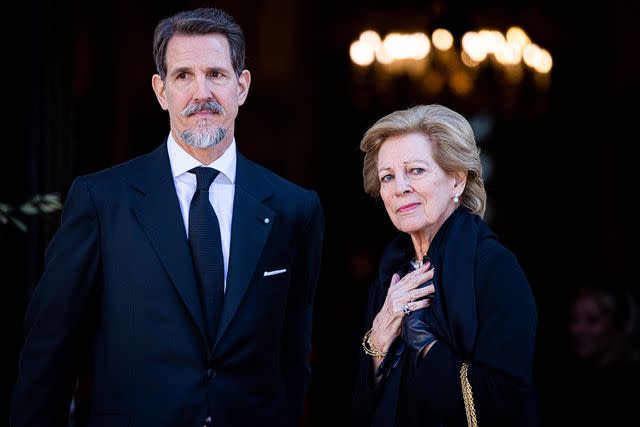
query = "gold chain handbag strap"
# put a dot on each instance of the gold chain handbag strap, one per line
(467, 394)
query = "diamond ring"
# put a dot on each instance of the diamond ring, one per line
(405, 309)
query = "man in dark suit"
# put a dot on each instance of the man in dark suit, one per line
(181, 282)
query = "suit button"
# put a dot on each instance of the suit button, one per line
(211, 373)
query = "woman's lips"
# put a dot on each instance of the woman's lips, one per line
(407, 208)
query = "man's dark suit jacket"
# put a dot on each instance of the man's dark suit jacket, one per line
(119, 298)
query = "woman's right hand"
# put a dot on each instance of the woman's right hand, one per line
(387, 323)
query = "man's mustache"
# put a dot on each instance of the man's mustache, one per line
(197, 107)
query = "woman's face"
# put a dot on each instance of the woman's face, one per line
(416, 191)
(591, 328)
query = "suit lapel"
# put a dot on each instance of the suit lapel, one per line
(158, 212)
(250, 228)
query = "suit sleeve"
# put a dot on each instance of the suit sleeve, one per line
(296, 339)
(55, 315)
(500, 371)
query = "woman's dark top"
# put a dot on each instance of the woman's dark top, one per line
(483, 312)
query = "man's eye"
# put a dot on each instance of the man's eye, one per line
(181, 76)
(215, 74)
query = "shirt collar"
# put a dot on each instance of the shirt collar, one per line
(182, 162)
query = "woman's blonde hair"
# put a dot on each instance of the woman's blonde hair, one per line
(454, 146)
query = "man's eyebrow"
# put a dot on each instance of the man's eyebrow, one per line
(180, 70)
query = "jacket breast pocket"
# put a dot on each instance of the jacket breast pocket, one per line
(275, 280)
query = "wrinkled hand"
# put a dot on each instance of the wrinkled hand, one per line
(415, 330)
(403, 292)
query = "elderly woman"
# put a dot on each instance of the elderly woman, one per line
(451, 318)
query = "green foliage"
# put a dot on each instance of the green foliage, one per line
(37, 204)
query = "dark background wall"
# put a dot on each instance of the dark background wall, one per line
(78, 90)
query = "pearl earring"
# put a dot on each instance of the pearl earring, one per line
(456, 199)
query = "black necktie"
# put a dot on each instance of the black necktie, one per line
(206, 249)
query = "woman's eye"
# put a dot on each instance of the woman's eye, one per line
(417, 171)
(386, 178)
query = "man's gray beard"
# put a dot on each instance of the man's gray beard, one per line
(203, 136)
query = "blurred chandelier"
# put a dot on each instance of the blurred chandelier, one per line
(435, 63)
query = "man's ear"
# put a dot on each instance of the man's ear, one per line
(158, 87)
(244, 81)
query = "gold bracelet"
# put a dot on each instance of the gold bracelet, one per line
(369, 348)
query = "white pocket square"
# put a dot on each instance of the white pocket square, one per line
(274, 272)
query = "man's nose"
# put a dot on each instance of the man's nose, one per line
(203, 89)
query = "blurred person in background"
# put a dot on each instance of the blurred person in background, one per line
(604, 327)
(597, 385)
(450, 301)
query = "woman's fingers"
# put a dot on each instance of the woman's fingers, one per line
(413, 280)
(404, 296)
(409, 307)
(419, 293)
(417, 305)
(394, 279)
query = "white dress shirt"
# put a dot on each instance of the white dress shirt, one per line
(221, 192)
